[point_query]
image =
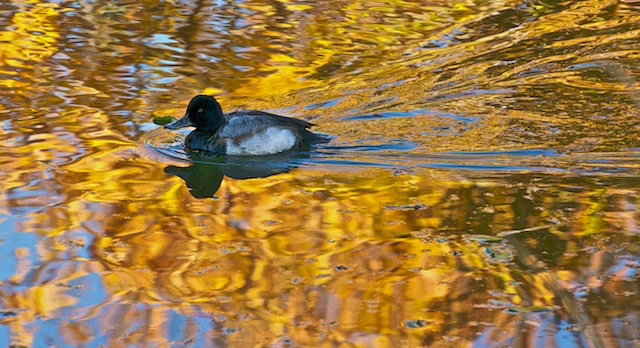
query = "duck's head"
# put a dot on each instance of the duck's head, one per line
(203, 112)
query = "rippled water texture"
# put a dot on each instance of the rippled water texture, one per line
(480, 189)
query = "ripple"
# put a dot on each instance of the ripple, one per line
(407, 156)
(167, 143)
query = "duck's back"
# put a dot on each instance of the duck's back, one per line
(255, 118)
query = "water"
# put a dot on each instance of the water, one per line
(480, 188)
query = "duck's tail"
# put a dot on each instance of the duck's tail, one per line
(314, 138)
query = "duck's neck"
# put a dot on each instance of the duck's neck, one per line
(212, 125)
(213, 121)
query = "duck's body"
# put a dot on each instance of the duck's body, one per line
(243, 133)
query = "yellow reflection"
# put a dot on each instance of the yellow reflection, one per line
(33, 36)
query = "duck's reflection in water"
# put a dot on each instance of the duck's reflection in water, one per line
(205, 174)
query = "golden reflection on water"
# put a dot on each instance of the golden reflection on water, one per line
(480, 188)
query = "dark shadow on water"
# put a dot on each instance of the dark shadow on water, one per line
(205, 174)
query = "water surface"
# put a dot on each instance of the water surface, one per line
(480, 188)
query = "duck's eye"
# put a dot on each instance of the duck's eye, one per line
(200, 110)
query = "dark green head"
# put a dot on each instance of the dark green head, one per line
(203, 112)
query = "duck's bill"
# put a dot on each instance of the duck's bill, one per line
(181, 123)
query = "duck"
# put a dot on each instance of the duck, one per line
(242, 133)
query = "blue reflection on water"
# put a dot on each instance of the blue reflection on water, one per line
(413, 113)
(13, 240)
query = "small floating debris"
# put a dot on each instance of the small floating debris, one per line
(407, 207)
(484, 238)
(416, 206)
(528, 309)
(163, 120)
(498, 254)
(415, 324)
(530, 229)
(495, 304)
